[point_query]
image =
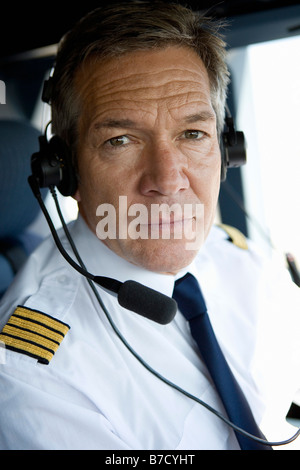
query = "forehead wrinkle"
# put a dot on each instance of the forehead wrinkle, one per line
(132, 115)
(172, 101)
(181, 91)
(172, 95)
(115, 80)
(142, 99)
(120, 72)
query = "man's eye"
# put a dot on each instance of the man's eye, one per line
(193, 135)
(118, 141)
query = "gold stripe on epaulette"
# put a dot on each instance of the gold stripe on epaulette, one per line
(33, 333)
(235, 236)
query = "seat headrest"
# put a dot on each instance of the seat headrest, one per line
(18, 207)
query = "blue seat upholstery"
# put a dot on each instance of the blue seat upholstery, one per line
(18, 207)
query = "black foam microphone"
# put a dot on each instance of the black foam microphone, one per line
(138, 298)
(147, 302)
(131, 295)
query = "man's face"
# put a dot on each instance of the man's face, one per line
(147, 132)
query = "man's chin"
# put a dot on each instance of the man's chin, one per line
(161, 256)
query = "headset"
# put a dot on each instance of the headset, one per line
(232, 145)
(52, 167)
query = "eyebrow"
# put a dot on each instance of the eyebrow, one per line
(115, 123)
(202, 116)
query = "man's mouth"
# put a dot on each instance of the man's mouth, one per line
(168, 227)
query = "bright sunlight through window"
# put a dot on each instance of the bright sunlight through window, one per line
(267, 88)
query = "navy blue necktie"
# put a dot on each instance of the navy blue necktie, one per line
(191, 303)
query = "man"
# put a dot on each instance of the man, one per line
(138, 96)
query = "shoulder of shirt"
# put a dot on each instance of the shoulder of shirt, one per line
(234, 236)
(226, 244)
(230, 243)
(35, 311)
(229, 235)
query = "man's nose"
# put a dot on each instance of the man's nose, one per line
(165, 171)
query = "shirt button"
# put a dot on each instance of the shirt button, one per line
(63, 279)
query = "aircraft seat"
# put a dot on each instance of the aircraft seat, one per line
(18, 207)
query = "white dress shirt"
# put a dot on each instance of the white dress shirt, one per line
(96, 394)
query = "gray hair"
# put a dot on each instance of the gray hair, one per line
(113, 30)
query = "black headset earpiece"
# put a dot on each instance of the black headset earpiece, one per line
(53, 166)
(232, 145)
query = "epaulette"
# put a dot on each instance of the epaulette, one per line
(33, 333)
(235, 236)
